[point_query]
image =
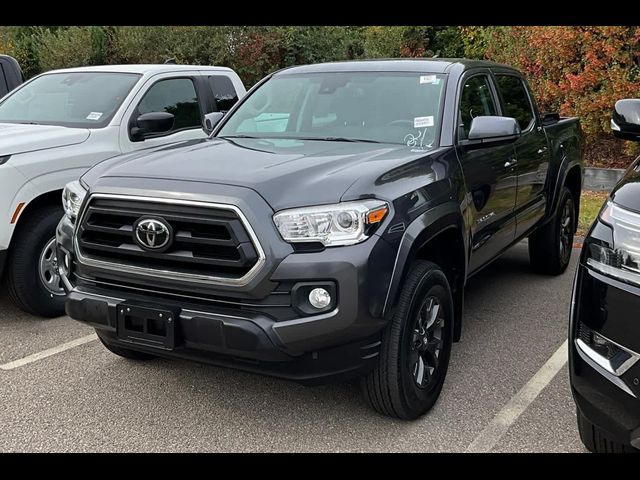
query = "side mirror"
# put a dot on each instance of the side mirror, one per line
(152, 122)
(625, 120)
(211, 120)
(488, 129)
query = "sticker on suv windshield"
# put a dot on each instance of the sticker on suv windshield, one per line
(428, 79)
(94, 116)
(420, 122)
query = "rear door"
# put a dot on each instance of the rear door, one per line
(490, 179)
(531, 150)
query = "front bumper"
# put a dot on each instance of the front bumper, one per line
(254, 327)
(610, 401)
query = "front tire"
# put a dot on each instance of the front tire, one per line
(32, 279)
(550, 247)
(416, 347)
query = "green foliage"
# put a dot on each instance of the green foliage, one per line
(63, 48)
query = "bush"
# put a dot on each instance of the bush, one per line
(577, 71)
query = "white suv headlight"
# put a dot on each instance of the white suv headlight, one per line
(72, 197)
(332, 225)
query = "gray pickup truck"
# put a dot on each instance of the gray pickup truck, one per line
(328, 226)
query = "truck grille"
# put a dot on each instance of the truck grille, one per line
(209, 242)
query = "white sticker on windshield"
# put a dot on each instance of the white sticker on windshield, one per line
(94, 116)
(428, 79)
(420, 122)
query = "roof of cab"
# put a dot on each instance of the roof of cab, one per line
(430, 65)
(140, 69)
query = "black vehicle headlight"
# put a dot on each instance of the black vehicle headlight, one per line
(622, 259)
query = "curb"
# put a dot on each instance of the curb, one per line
(601, 179)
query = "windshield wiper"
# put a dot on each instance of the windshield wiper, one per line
(320, 139)
(338, 139)
(28, 123)
(236, 136)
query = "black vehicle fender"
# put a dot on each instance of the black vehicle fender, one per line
(425, 228)
(570, 151)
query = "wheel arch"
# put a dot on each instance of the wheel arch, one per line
(436, 235)
(53, 197)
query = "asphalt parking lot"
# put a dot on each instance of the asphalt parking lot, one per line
(86, 399)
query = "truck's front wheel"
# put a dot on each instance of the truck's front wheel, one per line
(413, 362)
(33, 282)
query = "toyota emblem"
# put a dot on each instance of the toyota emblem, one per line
(152, 234)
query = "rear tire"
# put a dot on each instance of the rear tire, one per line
(550, 247)
(407, 379)
(597, 440)
(126, 353)
(32, 261)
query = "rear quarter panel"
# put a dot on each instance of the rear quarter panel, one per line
(566, 147)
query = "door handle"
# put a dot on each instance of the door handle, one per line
(510, 163)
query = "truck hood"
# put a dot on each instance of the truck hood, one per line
(19, 138)
(285, 173)
(627, 191)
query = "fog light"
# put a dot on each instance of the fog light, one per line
(319, 298)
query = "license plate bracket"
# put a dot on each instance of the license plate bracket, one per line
(149, 326)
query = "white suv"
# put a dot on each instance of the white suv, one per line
(61, 123)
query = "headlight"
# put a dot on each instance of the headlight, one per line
(72, 197)
(622, 259)
(332, 225)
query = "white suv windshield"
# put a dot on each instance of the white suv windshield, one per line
(384, 107)
(81, 99)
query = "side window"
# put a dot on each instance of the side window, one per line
(476, 100)
(223, 91)
(3, 83)
(516, 101)
(176, 96)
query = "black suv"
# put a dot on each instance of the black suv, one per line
(329, 225)
(605, 329)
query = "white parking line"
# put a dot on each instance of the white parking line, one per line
(492, 433)
(48, 352)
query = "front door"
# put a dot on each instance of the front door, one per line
(490, 175)
(176, 95)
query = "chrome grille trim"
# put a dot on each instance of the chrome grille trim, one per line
(169, 274)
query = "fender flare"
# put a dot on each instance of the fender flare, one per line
(420, 231)
(567, 163)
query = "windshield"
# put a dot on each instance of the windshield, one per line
(81, 99)
(385, 107)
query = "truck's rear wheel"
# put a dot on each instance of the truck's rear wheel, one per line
(32, 278)
(550, 247)
(413, 362)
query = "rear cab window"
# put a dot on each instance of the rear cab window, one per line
(223, 91)
(4, 88)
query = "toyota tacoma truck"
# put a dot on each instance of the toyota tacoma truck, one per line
(59, 124)
(327, 228)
